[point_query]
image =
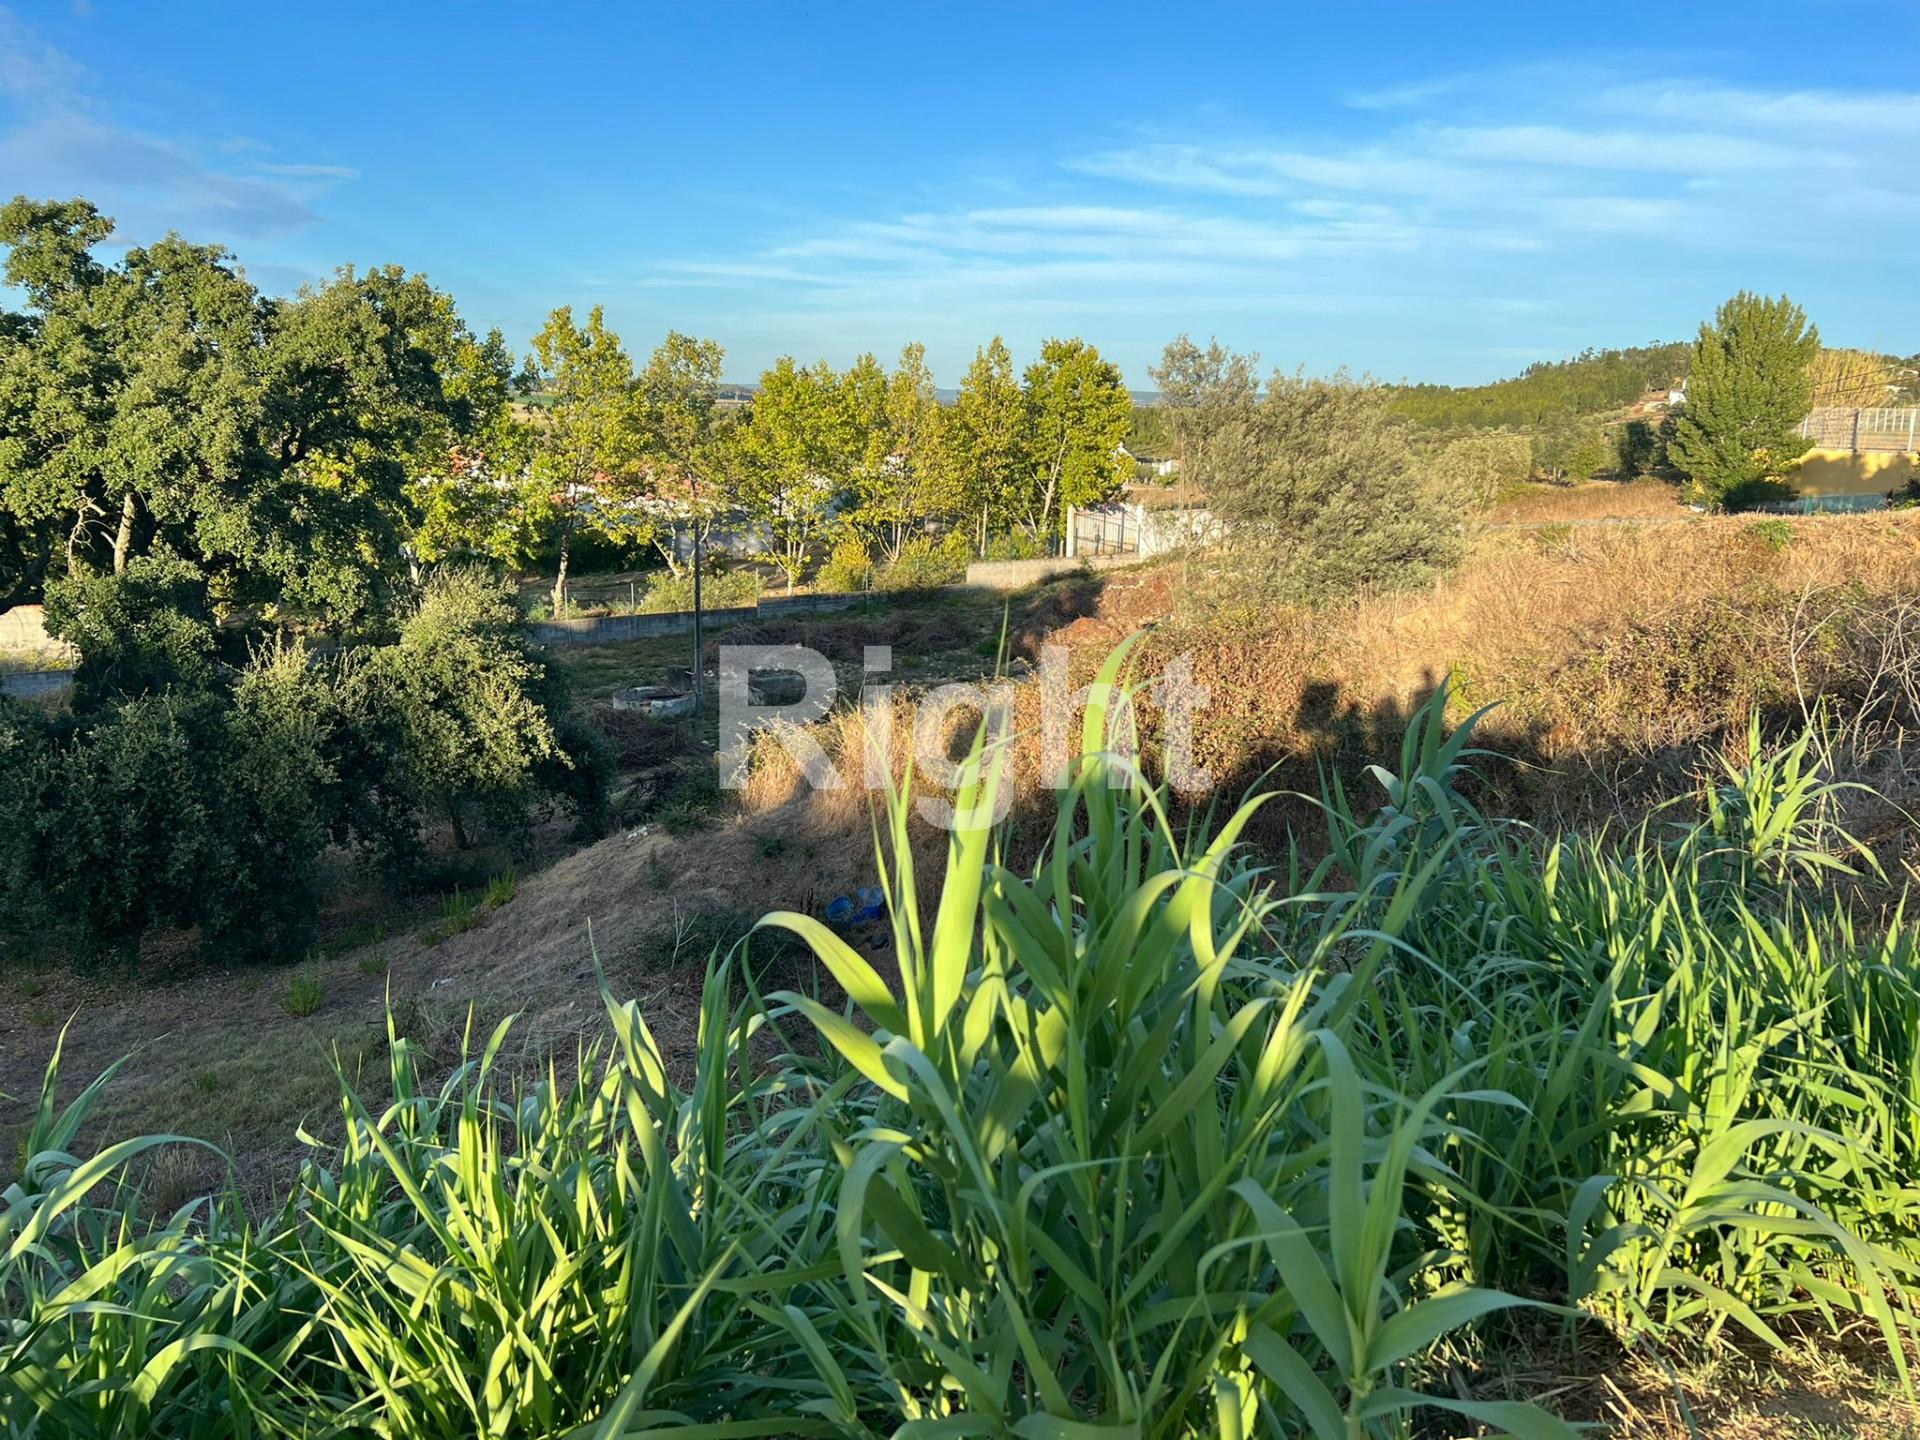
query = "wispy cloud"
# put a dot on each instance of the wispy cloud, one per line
(1497, 191)
(58, 137)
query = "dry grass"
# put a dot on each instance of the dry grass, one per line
(1615, 652)
(1595, 500)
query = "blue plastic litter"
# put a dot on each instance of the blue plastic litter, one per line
(840, 910)
(871, 901)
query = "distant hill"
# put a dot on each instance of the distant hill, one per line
(1591, 383)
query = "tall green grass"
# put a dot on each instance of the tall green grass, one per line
(1148, 1139)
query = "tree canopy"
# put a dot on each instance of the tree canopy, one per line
(163, 403)
(1750, 389)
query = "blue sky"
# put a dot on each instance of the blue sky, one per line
(1436, 191)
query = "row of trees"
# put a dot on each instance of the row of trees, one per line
(652, 455)
(306, 457)
(163, 406)
(1549, 393)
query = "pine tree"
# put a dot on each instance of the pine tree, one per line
(1747, 394)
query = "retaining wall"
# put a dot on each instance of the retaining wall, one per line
(1018, 574)
(607, 629)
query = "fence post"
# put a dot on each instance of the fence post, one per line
(1856, 430)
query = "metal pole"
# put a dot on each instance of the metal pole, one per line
(699, 686)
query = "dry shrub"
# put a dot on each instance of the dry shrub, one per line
(1615, 653)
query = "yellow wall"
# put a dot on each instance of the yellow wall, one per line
(1846, 472)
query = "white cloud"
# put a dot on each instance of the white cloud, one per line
(58, 139)
(30, 69)
(1865, 122)
(1508, 194)
(1646, 151)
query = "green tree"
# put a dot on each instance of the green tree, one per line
(1078, 417)
(906, 490)
(474, 492)
(687, 441)
(1207, 399)
(802, 441)
(1317, 493)
(583, 443)
(162, 403)
(1569, 450)
(1748, 391)
(1639, 448)
(983, 438)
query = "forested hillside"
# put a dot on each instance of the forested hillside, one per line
(1591, 382)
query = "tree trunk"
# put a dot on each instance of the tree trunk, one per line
(459, 831)
(123, 538)
(560, 578)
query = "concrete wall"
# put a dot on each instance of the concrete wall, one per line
(1018, 574)
(606, 629)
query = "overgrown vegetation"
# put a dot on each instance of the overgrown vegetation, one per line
(182, 795)
(1315, 488)
(1149, 1138)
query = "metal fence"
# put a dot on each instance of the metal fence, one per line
(1840, 427)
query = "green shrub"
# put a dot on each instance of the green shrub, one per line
(849, 568)
(1476, 469)
(302, 995)
(172, 810)
(139, 633)
(209, 808)
(719, 590)
(460, 722)
(926, 564)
